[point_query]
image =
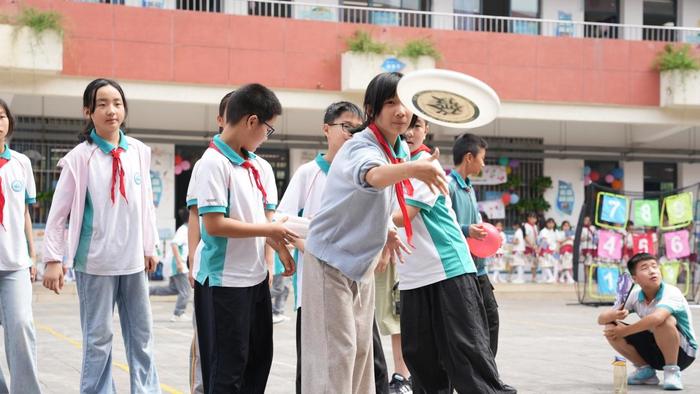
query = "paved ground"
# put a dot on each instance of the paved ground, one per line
(549, 344)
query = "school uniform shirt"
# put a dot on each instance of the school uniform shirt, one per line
(441, 250)
(466, 208)
(518, 241)
(587, 238)
(531, 234)
(105, 237)
(223, 185)
(180, 242)
(303, 198)
(668, 297)
(549, 238)
(504, 239)
(350, 229)
(19, 189)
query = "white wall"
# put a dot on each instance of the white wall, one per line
(551, 9)
(162, 167)
(688, 174)
(570, 171)
(689, 16)
(443, 22)
(633, 180)
(632, 13)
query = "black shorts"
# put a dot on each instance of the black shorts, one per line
(646, 346)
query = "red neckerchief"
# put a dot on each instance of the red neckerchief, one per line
(398, 186)
(251, 168)
(3, 161)
(118, 170)
(422, 148)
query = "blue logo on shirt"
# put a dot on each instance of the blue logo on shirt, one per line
(17, 186)
(137, 179)
(392, 64)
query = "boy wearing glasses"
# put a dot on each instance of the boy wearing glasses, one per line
(232, 296)
(305, 189)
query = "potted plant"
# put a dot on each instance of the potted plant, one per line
(34, 41)
(679, 82)
(367, 57)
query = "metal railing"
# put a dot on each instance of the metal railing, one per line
(424, 19)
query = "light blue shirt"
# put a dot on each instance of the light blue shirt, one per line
(350, 229)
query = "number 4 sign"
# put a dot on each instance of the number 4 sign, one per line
(677, 245)
(609, 245)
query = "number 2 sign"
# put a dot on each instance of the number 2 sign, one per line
(677, 245)
(609, 245)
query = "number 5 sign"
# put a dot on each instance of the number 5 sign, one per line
(609, 245)
(646, 213)
(679, 210)
(613, 209)
(677, 245)
(643, 243)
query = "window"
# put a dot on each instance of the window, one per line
(497, 8)
(270, 9)
(659, 13)
(199, 5)
(381, 17)
(525, 9)
(602, 11)
(660, 177)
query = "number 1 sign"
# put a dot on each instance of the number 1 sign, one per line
(609, 245)
(677, 245)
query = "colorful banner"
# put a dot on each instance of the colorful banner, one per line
(565, 198)
(491, 175)
(643, 243)
(646, 213)
(609, 245)
(494, 209)
(677, 245)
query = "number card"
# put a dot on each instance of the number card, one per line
(677, 245)
(607, 279)
(612, 210)
(643, 243)
(679, 210)
(670, 271)
(609, 245)
(646, 213)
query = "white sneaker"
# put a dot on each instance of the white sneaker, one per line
(278, 318)
(183, 317)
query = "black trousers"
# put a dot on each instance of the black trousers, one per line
(491, 307)
(445, 340)
(235, 337)
(381, 374)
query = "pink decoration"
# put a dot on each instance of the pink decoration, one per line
(677, 245)
(609, 245)
(487, 246)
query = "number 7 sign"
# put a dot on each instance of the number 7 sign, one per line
(612, 210)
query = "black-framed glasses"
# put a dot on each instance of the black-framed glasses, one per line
(270, 129)
(347, 127)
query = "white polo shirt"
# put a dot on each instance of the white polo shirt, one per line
(180, 242)
(441, 250)
(668, 297)
(19, 189)
(222, 185)
(303, 198)
(111, 235)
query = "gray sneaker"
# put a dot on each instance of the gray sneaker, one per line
(400, 385)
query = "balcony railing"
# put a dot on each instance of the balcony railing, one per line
(424, 19)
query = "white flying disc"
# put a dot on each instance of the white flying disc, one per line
(449, 98)
(295, 223)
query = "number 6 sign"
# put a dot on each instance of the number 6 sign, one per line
(613, 209)
(609, 245)
(677, 245)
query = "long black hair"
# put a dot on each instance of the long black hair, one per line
(90, 102)
(380, 89)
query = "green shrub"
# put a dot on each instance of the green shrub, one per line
(414, 49)
(676, 57)
(40, 21)
(362, 42)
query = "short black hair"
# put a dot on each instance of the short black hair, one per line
(467, 143)
(223, 102)
(10, 118)
(184, 214)
(252, 99)
(337, 109)
(638, 258)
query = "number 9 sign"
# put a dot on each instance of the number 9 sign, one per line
(677, 245)
(613, 208)
(679, 210)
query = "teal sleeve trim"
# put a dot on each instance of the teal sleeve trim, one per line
(270, 207)
(212, 209)
(191, 202)
(30, 201)
(668, 308)
(419, 204)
